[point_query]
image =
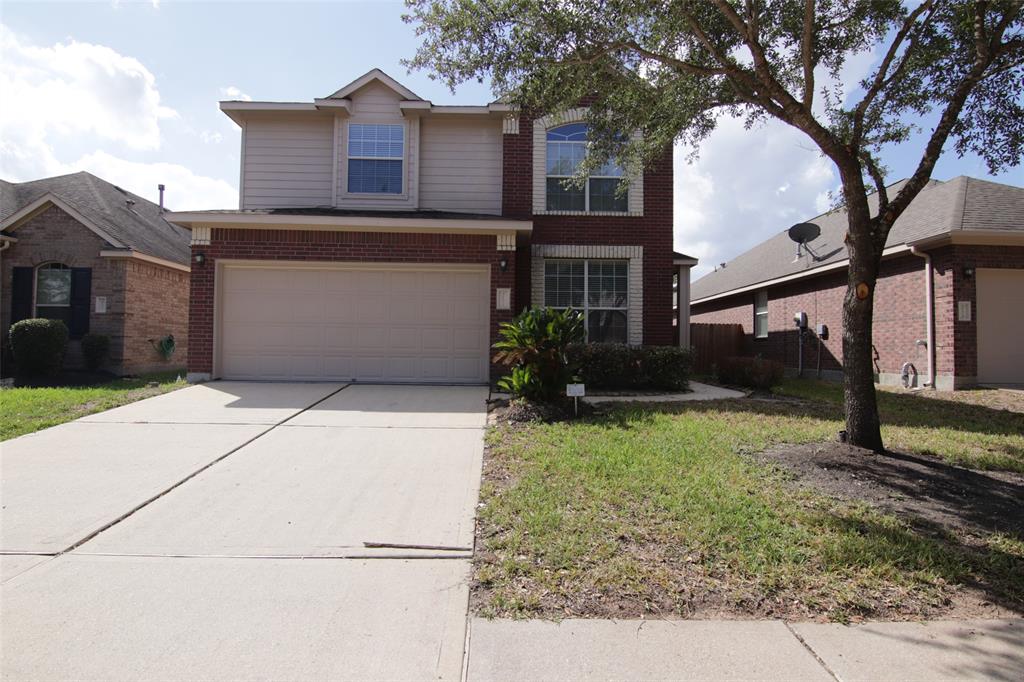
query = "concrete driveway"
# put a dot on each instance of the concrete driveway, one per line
(244, 530)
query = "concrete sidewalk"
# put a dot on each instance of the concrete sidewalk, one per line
(744, 650)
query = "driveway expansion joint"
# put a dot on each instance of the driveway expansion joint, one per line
(811, 651)
(195, 473)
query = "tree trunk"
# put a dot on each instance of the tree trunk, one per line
(862, 424)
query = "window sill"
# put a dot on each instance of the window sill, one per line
(599, 214)
(374, 195)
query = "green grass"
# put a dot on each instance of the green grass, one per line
(655, 509)
(24, 410)
(960, 428)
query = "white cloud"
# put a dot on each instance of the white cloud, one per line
(211, 137)
(81, 95)
(234, 93)
(185, 189)
(746, 186)
(75, 89)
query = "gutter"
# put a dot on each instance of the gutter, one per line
(929, 297)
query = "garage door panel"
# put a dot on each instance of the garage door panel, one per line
(1000, 325)
(352, 323)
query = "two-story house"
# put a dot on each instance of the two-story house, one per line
(381, 237)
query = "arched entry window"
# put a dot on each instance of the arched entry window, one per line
(566, 148)
(53, 292)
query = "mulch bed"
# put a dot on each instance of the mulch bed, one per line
(925, 491)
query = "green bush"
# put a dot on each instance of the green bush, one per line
(95, 348)
(756, 373)
(38, 346)
(614, 366)
(534, 346)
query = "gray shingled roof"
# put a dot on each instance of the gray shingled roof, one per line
(141, 227)
(942, 207)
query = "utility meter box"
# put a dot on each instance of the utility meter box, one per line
(823, 332)
(800, 320)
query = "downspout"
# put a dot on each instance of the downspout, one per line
(929, 313)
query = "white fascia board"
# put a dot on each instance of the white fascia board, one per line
(338, 105)
(975, 237)
(684, 261)
(374, 75)
(14, 220)
(236, 110)
(831, 267)
(349, 223)
(128, 253)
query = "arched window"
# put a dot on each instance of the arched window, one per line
(566, 149)
(53, 292)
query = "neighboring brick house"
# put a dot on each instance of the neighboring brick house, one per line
(381, 237)
(104, 260)
(960, 242)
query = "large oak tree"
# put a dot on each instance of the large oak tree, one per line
(945, 72)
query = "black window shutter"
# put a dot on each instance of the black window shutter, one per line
(81, 293)
(21, 294)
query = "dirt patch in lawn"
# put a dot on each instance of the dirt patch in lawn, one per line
(949, 503)
(925, 490)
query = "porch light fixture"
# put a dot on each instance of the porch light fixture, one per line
(968, 272)
(200, 258)
(503, 264)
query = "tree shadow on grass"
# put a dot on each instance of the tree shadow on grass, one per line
(992, 573)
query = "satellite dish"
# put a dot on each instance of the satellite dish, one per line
(802, 233)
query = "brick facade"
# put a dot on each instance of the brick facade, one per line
(324, 246)
(144, 300)
(652, 231)
(157, 299)
(899, 316)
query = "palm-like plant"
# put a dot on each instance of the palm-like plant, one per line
(534, 344)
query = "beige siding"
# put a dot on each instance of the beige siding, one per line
(460, 164)
(287, 162)
(376, 103)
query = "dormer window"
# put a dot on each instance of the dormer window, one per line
(566, 149)
(376, 154)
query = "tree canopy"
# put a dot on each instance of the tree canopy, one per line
(942, 71)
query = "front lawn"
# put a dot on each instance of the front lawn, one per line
(664, 510)
(24, 410)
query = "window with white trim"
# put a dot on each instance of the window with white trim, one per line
(597, 288)
(761, 314)
(566, 148)
(376, 156)
(53, 292)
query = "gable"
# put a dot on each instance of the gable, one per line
(378, 77)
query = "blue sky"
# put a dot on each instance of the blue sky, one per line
(129, 91)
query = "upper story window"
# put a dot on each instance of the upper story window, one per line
(53, 292)
(566, 149)
(376, 154)
(761, 314)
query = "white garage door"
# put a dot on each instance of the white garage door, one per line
(1000, 326)
(386, 323)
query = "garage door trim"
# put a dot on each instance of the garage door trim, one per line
(223, 264)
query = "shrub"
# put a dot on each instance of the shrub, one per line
(534, 346)
(756, 373)
(615, 366)
(95, 348)
(38, 346)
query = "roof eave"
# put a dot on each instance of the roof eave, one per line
(240, 220)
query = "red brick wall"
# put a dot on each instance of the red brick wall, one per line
(157, 306)
(653, 230)
(289, 245)
(899, 317)
(899, 313)
(55, 236)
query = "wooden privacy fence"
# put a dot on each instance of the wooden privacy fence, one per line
(713, 342)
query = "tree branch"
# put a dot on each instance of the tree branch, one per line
(807, 53)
